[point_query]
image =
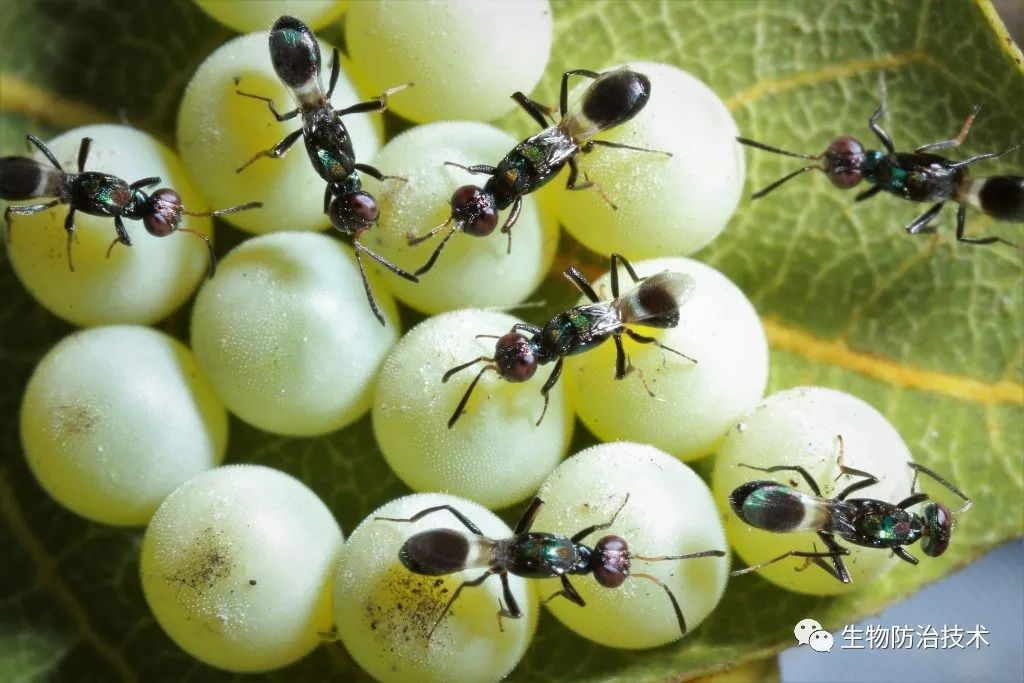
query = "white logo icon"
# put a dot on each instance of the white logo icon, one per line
(803, 630)
(809, 632)
(821, 641)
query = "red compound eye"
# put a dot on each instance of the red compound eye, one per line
(843, 160)
(362, 206)
(353, 212)
(166, 212)
(938, 523)
(484, 225)
(514, 357)
(475, 209)
(611, 561)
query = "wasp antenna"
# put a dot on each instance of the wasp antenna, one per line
(459, 368)
(412, 240)
(966, 505)
(671, 597)
(472, 385)
(687, 556)
(775, 150)
(221, 212)
(212, 270)
(780, 181)
(440, 247)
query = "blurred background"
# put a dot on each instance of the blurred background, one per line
(1012, 12)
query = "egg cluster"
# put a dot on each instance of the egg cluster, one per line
(299, 334)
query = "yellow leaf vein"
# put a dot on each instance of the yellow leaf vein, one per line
(840, 354)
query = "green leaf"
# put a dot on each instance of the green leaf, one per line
(928, 331)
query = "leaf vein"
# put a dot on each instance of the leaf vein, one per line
(839, 354)
(50, 576)
(765, 87)
(38, 104)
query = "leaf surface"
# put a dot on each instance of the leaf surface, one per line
(928, 331)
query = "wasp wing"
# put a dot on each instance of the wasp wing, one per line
(603, 319)
(655, 301)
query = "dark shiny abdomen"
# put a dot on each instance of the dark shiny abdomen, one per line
(768, 505)
(616, 97)
(294, 52)
(20, 178)
(1002, 197)
(435, 552)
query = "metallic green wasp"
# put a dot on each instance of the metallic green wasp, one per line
(918, 176)
(612, 99)
(653, 301)
(866, 522)
(530, 554)
(295, 54)
(96, 194)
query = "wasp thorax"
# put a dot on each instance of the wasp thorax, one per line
(610, 561)
(843, 160)
(353, 211)
(937, 525)
(166, 212)
(616, 97)
(474, 208)
(514, 357)
(294, 52)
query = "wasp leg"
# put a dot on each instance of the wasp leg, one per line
(431, 510)
(953, 143)
(275, 152)
(961, 223)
